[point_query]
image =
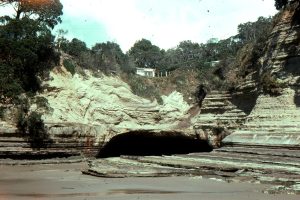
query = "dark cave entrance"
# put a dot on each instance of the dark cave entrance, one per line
(146, 144)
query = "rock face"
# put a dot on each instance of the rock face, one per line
(282, 53)
(277, 167)
(218, 118)
(275, 120)
(85, 112)
(84, 106)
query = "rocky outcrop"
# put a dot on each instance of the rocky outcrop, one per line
(85, 111)
(13, 145)
(275, 119)
(279, 168)
(105, 106)
(274, 122)
(282, 52)
(218, 118)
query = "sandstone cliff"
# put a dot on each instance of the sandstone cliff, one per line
(88, 110)
(275, 118)
(103, 107)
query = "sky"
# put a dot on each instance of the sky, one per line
(164, 22)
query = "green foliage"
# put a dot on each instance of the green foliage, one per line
(108, 57)
(142, 87)
(22, 123)
(145, 54)
(2, 111)
(75, 48)
(31, 126)
(280, 4)
(186, 55)
(27, 53)
(211, 80)
(128, 67)
(69, 65)
(42, 103)
(9, 87)
(255, 31)
(46, 12)
(271, 85)
(38, 136)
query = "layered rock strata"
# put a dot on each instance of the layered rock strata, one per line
(274, 122)
(105, 107)
(282, 53)
(278, 167)
(275, 119)
(218, 118)
(85, 112)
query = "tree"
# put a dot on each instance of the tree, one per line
(228, 48)
(145, 54)
(75, 47)
(255, 31)
(280, 4)
(27, 51)
(5, 2)
(47, 12)
(60, 38)
(108, 56)
(190, 53)
(27, 45)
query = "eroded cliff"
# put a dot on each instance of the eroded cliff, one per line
(274, 119)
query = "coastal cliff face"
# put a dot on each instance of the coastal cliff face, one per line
(89, 110)
(264, 109)
(275, 119)
(282, 53)
(259, 131)
(103, 107)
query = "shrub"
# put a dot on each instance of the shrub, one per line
(142, 87)
(22, 122)
(43, 103)
(22, 114)
(270, 85)
(38, 136)
(10, 87)
(2, 110)
(69, 65)
(31, 126)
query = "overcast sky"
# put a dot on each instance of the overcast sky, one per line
(164, 22)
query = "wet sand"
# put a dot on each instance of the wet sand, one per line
(66, 181)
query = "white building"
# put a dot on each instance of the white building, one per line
(149, 72)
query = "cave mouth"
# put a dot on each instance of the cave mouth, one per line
(152, 144)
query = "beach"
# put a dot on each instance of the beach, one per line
(66, 181)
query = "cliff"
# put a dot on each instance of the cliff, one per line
(107, 104)
(87, 110)
(275, 119)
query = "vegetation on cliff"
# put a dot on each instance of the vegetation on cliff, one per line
(27, 50)
(27, 53)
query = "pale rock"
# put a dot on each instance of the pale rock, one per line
(274, 121)
(104, 107)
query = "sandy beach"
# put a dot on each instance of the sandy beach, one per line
(66, 181)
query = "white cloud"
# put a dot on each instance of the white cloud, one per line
(167, 22)
(164, 22)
